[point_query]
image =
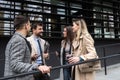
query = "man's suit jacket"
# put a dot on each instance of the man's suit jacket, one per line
(33, 45)
(17, 58)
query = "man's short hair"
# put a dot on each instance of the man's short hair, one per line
(35, 24)
(19, 21)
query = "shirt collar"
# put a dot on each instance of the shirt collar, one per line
(36, 37)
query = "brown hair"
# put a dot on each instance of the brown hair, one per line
(19, 21)
(70, 34)
(35, 24)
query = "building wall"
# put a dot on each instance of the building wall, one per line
(102, 17)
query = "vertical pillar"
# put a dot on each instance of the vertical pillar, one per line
(116, 17)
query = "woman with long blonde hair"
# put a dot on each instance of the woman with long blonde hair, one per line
(83, 49)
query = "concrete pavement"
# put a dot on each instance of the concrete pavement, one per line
(113, 73)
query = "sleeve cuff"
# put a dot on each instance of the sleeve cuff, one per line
(81, 59)
(35, 66)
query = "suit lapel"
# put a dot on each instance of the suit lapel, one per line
(33, 43)
(77, 47)
(76, 44)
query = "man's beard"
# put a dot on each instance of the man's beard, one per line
(40, 34)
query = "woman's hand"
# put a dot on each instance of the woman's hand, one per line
(72, 60)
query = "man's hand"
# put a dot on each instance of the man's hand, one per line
(45, 55)
(34, 56)
(44, 69)
(57, 53)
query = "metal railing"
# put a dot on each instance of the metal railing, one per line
(63, 66)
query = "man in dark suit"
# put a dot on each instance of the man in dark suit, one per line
(18, 52)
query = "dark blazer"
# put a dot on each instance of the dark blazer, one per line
(17, 58)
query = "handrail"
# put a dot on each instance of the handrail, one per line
(57, 67)
(109, 45)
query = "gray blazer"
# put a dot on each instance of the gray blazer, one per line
(17, 58)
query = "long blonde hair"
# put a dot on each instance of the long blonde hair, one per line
(82, 28)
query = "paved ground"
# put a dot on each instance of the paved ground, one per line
(113, 73)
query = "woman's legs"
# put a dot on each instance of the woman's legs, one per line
(67, 74)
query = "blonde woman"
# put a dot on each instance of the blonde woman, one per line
(83, 49)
